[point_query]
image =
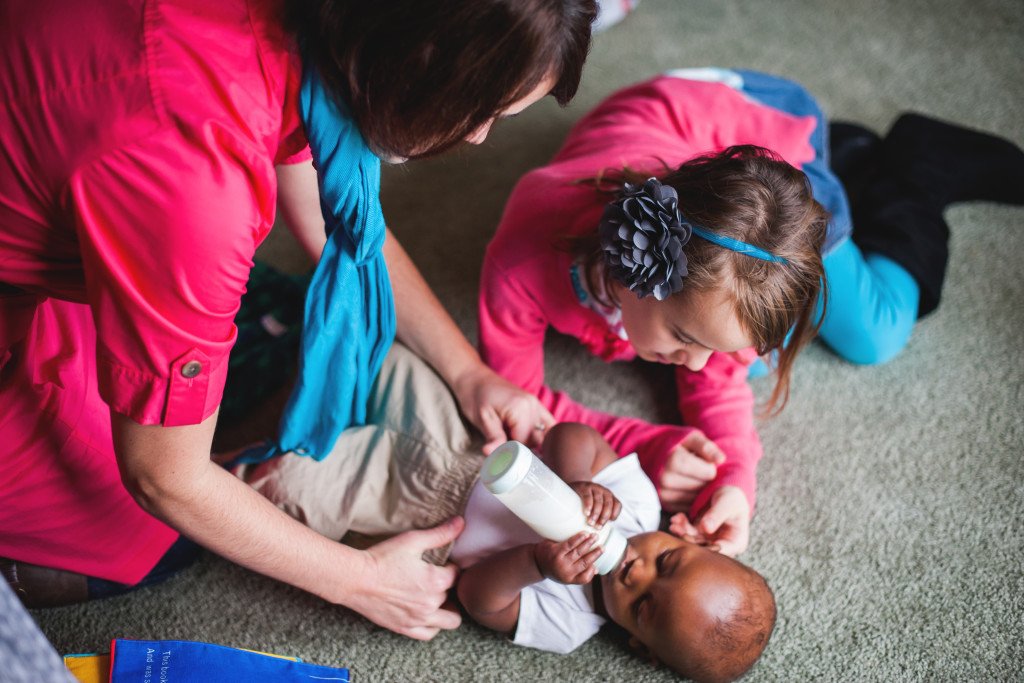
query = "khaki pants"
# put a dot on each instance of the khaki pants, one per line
(411, 467)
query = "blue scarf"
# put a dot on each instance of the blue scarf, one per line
(350, 312)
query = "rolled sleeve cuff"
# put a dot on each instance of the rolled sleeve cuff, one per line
(303, 154)
(188, 395)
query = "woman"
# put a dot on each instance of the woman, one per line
(138, 178)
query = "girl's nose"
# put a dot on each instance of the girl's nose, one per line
(696, 360)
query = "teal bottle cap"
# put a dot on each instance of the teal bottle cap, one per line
(506, 467)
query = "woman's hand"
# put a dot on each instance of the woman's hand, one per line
(500, 409)
(571, 561)
(723, 526)
(599, 504)
(691, 466)
(403, 593)
(170, 474)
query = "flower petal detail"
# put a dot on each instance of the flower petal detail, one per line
(643, 235)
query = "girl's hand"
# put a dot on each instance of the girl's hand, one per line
(724, 526)
(599, 504)
(691, 465)
(403, 593)
(571, 561)
(500, 409)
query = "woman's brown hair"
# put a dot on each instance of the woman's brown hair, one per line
(419, 76)
(749, 194)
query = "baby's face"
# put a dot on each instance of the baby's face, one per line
(669, 592)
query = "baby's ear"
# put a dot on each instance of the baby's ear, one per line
(643, 651)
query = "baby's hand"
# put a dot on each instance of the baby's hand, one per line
(571, 561)
(691, 465)
(599, 504)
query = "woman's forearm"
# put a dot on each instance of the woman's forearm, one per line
(169, 471)
(423, 323)
(495, 406)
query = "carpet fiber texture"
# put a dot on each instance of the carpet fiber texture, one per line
(891, 498)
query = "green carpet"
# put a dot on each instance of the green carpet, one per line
(891, 498)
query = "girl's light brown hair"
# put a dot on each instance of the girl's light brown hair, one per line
(750, 194)
(419, 76)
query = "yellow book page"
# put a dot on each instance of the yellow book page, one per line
(89, 668)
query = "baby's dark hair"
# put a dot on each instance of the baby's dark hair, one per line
(732, 646)
(747, 193)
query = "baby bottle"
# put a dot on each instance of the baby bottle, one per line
(540, 498)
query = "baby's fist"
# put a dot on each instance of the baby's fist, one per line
(569, 561)
(599, 504)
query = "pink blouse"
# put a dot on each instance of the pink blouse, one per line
(138, 176)
(136, 180)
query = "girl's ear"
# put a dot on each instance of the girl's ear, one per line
(643, 651)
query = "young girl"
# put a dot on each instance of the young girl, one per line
(716, 261)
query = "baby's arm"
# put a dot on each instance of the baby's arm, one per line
(490, 589)
(576, 452)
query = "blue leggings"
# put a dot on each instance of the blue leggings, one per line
(872, 305)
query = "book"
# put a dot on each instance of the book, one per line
(184, 661)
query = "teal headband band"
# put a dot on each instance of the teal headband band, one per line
(643, 236)
(736, 245)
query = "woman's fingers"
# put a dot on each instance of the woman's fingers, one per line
(435, 537)
(492, 429)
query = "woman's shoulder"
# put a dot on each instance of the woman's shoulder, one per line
(228, 65)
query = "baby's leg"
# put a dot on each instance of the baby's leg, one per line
(411, 467)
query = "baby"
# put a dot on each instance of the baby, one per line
(416, 463)
(705, 615)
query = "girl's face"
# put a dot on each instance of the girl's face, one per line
(684, 329)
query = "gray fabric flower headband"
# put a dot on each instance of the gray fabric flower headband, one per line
(643, 235)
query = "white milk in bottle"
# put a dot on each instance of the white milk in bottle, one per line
(539, 497)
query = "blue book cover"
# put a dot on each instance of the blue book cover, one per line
(183, 661)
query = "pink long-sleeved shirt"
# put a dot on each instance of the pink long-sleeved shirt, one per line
(526, 285)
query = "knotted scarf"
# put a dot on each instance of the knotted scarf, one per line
(350, 312)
